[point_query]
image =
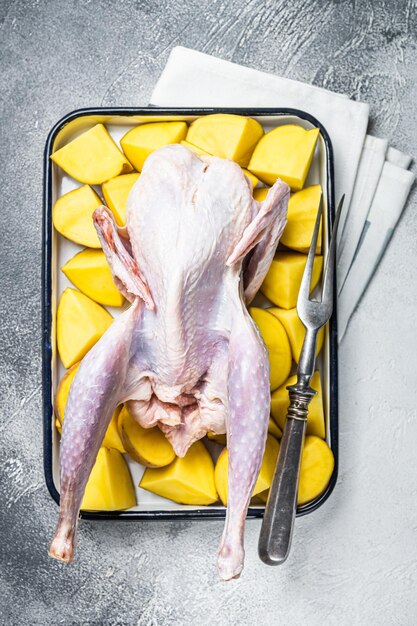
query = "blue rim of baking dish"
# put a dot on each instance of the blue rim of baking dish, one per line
(206, 512)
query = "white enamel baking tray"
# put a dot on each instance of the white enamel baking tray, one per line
(57, 250)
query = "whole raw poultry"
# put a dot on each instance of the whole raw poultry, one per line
(186, 355)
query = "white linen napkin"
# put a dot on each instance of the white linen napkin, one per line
(370, 180)
(369, 171)
(387, 205)
(362, 163)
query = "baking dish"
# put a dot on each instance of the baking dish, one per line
(57, 250)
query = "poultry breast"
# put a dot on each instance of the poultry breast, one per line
(186, 355)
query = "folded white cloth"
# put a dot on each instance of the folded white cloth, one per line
(387, 205)
(399, 158)
(370, 180)
(368, 175)
(362, 163)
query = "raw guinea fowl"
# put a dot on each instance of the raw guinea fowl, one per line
(186, 355)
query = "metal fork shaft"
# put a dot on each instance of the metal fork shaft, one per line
(307, 359)
(277, 526)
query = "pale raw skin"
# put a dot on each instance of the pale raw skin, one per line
(186, 355)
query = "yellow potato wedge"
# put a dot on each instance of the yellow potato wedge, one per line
(315, 420)
(282, 282)
(89, 271)
(188, 480)
(263, 497)
(111, 438)
(260, 193)
(147, 446)
(72, 216)
(266, 473)
(301, 218)
(141, 141)
(295, 330)
(115, 193)
(92, 158)
(61, 395)
(277, 343)
(251, 177)
(226, 136)
(80, 324)
(195, 149)
(317, 464)
(110, 486)
(285, 152)
(274, 429)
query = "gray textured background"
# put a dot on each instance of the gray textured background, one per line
(355, 560)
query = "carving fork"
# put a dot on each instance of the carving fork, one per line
(278, 522)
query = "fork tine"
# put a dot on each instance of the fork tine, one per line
(327, 292)
(304, 292)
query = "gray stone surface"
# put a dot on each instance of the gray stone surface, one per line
(355, 560)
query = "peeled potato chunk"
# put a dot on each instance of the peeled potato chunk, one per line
(282, 282)
(280, 402)
(195, 149)
(188, 480)
(301, 218)
(266, 473)
(295, 330)
(89, 271)
(226, 136)
(111, 438)
(115, 193)
(80, 324)
(251, 177)
(147, 446)
(277, 343)
(274, 429)
(285, 152)
(72, 216)
(317, 464)
(263, 497)
(138, 143)
(110, 486)
(61, 394)
(92, 158)
(260, 193)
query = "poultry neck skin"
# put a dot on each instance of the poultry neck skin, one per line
(186, 355)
